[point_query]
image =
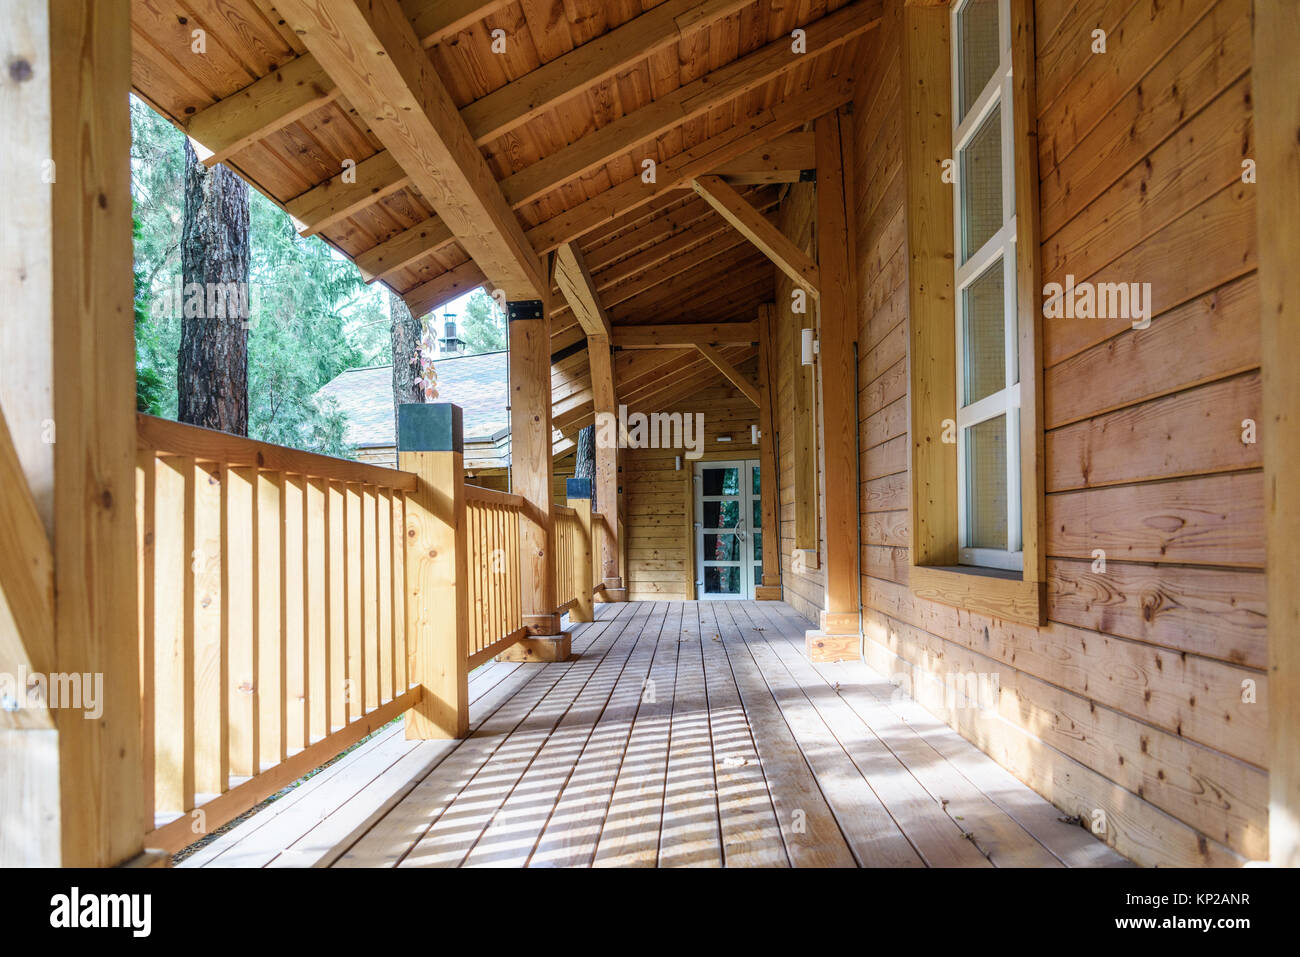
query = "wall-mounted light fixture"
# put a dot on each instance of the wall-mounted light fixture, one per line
(724, 438)
(810, 346)
(754, 435)
(677, 463)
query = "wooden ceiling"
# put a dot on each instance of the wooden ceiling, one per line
(580, 93)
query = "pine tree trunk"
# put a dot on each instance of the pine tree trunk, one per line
(212, 366)
(406, 349)
(585, 466)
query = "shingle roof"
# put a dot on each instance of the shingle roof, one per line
(478, 384)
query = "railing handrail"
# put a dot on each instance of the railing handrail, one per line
(475, 493)
(166, 437)
(564, 510)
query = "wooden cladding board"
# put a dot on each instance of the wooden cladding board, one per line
(659, 500)
(1145, 696)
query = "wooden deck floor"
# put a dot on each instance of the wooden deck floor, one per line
(680, 733)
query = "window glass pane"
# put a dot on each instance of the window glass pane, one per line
(724, 580)
(984, 335)
(758, 574)
(758, 545)
(758, 514)
(981, 185)
(986, 484)
(721, 481)
(721, 548)
(978, 50)
(722, 514)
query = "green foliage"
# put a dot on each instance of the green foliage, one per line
(482, 325)
(311, 316)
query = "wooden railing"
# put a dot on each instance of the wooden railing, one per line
(272, 622)
(567, 531)
(496, 618)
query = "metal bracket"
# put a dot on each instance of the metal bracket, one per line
(524, 309)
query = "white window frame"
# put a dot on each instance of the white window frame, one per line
(1001, 245)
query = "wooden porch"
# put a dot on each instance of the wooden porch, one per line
(678, 734)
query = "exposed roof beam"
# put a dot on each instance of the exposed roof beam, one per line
(679, 170)
(756, 227)
(734, 375)
(428, 296)
(370, 50)
(407, 247)
(684, 335)
(537, 91)
(340, 196)
(784, 160)
(579, 291)
(302, 85)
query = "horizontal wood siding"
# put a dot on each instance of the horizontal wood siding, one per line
(1130, 702)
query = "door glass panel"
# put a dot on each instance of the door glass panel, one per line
(758, 574)
(722, 514)
(722, 579)
(721, 548)
(981, 184)
(986, 483)
(755, 491)
(758, 546)
(757, 517)
(725, 481)
(984, 341)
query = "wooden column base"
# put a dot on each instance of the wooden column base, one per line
(820, 646)
(612, 591)
(767, 592)
(539, 648)
(542, 625)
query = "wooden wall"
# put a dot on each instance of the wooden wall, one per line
(1130, 702)
(797, 420)
(658, 500)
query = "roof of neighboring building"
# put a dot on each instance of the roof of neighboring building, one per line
(477, 383)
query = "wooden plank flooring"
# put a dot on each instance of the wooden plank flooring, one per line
(678, 734)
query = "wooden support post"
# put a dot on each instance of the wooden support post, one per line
(839, 635)
(578, 495)
(605, 521)
(430, 443)
(770, 589)
(72, 795)
(1276, 80)
(530, 477)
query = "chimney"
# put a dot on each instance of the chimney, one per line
(450, 344)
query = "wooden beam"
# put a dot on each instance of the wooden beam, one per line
(26, 584)
(301, 86)
(579, 290)
(375, 57)
(769, 481)
(677, 171)
(836, 378)
(530, 460)
(536, 92)
(427, 297)
(784, 160)
(605, 517)
(82, 804)
(409, 246)
(1275, 78)
(734, 375)
(344, 194)
(755, 227)
(684, 335)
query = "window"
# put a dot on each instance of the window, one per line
(975, 354)
(984, 237)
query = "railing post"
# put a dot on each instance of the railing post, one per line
(578, 493)
(430, 444)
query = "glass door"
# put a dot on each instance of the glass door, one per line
(728, 536)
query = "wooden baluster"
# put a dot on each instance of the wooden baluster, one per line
(270, 642)
(384, 597)
(492, 575)
(370, 593)
(174, 628)
(293, 614)
(401, 653)
(315, 611)
(237, 596)
(474, 538)
(356, 683)
(145, 506)
(430, 445)
(336, 595)
(211, 702)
